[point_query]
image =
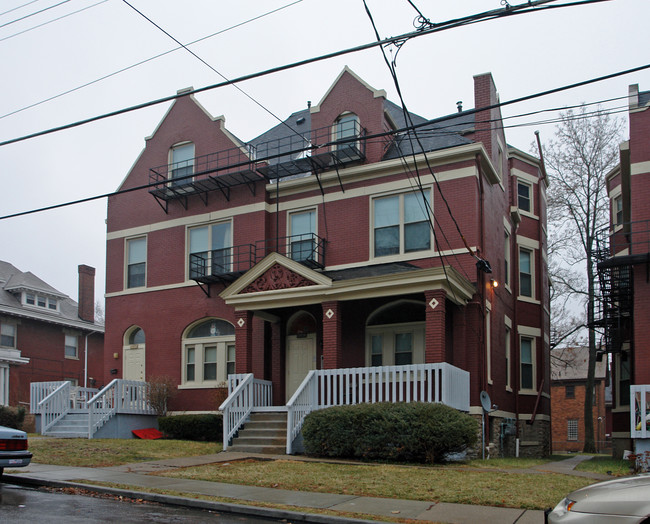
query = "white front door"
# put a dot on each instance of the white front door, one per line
(301, 358)
(134, 363)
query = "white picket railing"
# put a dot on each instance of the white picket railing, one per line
(40, 390)
(120, 396)
(323, 388)
(640, 412)
(244, 393)
(54, 406)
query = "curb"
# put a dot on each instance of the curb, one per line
(222, 507)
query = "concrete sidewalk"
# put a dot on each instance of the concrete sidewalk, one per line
(137, 476)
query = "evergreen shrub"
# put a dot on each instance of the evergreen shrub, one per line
(404, 432)
(205, 427)
(12, 417)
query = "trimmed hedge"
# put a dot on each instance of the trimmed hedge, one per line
(12, 417)
(207, 427)
(405, 432)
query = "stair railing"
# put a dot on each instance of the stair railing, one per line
(245, 393)
(54, 406)
(119, 396)
(302, 402)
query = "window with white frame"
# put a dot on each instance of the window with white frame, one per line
(527, 363)
(617, 210)
(33, 299)
(526, 272)
(302, 231)
(401, 224)
(7, 335)
(182, 163)
(71, 346)
(208, 353)
(136, 262)
(572, 429)
(346, 126)
(210, 249)
(524, 200)
(395, 334)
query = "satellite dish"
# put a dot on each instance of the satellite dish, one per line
(486, 402)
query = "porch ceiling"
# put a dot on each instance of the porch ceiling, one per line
(317, 287)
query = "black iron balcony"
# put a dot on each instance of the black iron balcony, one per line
(614, 240)
(227, 264)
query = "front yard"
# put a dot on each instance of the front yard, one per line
(496, 482)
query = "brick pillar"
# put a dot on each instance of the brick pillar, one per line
(434, 338)
(86, 310)
(332, 339)
(277, 364)
(244, 341)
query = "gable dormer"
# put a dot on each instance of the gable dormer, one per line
(351, 107)
(33, 293)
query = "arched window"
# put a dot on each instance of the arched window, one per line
(181, 160)
(347, 126)
(136, 336)
(395, 334)
(208, 353)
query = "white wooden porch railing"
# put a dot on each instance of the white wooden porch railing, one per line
(640, 412)
(54, 406)
(244, 394)
(323, 388)
(120, 396)
(40, 390)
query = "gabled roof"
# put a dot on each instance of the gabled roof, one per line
(13, 282)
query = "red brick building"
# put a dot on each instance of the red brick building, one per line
(624, 254)
(45, 335)
(568, 382)
(337, 239)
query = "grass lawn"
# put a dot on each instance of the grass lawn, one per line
(98, 453)
(606, 465)
(491, 487)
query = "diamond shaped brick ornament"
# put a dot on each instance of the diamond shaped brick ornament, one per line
(434, 303)
(329, 314)
(241, 322)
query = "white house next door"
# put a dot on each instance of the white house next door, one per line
(301, 358)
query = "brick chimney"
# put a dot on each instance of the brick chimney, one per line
(87, 293)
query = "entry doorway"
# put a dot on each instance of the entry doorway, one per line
(301, 354)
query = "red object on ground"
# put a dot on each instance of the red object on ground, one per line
(147, 434)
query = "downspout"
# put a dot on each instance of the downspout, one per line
(481, 283)
(515, 324)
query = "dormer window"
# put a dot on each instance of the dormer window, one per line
(182, 163)
(347, 126)
(40, 301)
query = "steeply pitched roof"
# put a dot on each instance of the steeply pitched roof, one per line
(13, 282)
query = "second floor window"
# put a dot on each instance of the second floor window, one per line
(210, 249)
(527, 363)
(7, 335)
(401, 224)
(71, 343)
(136, 262)
(617, 210)
(303, 229)
(182, 163)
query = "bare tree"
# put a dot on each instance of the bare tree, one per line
(584, 150)
(99, 312)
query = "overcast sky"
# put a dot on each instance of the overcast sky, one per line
(80, 41)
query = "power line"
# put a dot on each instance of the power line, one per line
(525, 8)
(34, 13)
(215, 70)
(49, 22)
(368, 137)
(146, 60)
(18, 7)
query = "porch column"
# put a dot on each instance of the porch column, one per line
(332, 324)
(244, 341)
(434, 338)
(277, 364)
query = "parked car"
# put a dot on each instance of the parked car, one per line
(623, 500)
(13, 449)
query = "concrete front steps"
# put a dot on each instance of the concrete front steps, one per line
(72, 425)
(264, 432)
